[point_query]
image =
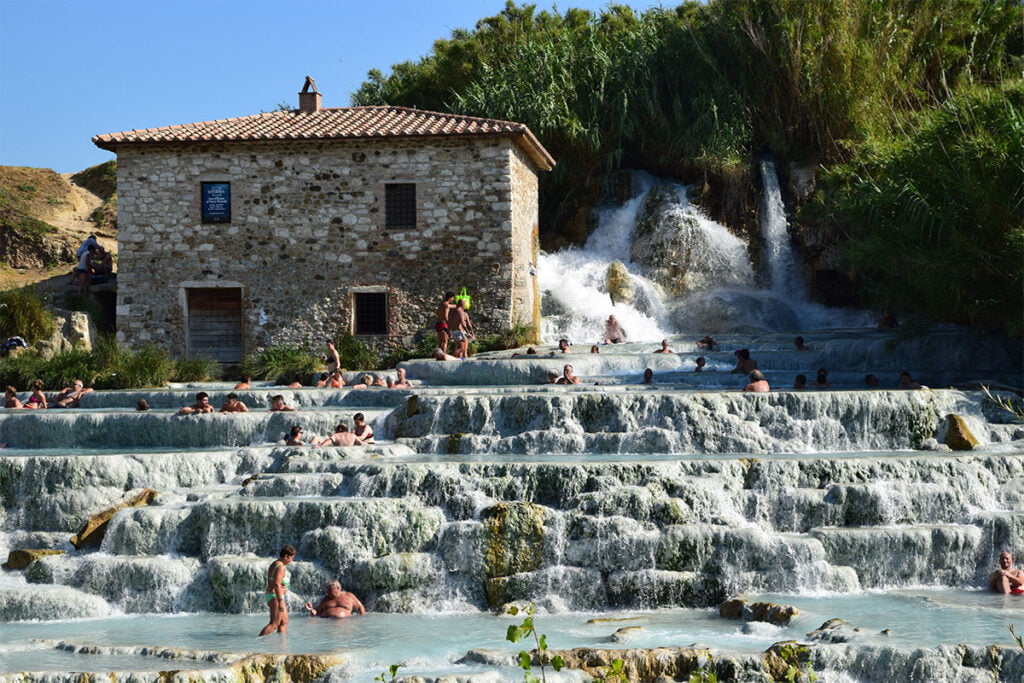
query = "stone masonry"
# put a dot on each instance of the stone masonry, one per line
(307, 233)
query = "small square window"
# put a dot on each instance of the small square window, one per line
(400, 206)
(216, 202)
(371, 313)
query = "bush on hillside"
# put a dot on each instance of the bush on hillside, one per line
(64, 368)
(149, 366)
(19, 370)
(22, 313)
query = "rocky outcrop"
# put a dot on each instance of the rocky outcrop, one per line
(767, 612)
(22, 557)
(958, 434)
(513, 540)
(620, 287)
(91, 534)
(72, 330)
(654, 664)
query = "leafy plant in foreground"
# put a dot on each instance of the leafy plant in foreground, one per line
(280, 361)
(705, 673)
(393, 670)
(198, 369)
(23, 314)
(797, 668)
(518, 632)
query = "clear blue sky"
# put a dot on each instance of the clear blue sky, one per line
(70, 70)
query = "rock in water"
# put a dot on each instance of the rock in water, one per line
(22, 558)
(620, 287)
(626, 634)
(92, 532)
(958, 435)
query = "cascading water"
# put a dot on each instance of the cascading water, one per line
(690, 274)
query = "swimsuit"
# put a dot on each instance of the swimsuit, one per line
(35, 399)
(458, 335)
(285, 581)
(440, 326)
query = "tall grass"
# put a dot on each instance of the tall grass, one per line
(280, 362)
(197, 369)
(23, 313)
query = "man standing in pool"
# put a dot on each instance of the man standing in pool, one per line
(337, 604)
(1006, 579)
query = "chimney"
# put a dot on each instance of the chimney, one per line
(309, 102)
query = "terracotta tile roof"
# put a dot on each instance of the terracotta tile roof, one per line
(337, 123)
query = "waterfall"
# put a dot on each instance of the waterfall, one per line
(784, 276)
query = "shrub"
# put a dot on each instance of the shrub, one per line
(355, 355)
(198, 369)
(19, 370)
(519, 335)
(22, 313)
(150, 366)
(64, 368)
(280, 361)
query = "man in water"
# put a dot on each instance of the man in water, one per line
(277, 405)
(1006, 579)
(202, 405)
(568, 376)
(337, 604)
(613, 332)
(341, 437)
(664, 347)
(757, 383)
(70, 396)
(441, 326)
(744, 363)
(400, 381)
(233, 405)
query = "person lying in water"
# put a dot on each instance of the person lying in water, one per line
(337, 604)
(69, 397)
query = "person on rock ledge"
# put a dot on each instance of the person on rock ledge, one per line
(757, 383)
(233, 405)
(201, 406)
(1006, 579)
(744, 363)
(337, 604)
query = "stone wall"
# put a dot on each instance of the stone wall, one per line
(307, 231)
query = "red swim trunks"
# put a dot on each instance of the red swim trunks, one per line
(440, 326)
(1017, 591)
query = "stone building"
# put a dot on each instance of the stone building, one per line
(289, 227)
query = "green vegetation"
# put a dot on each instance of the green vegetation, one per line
(197, 369)
(519, 335)
(280, 362)
(100, 179)
(517, 632)
(705, 673)
(148, 366)
(392, 671)
(355, 355)
(22, 313)
(904, 105)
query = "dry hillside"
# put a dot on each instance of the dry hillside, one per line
(44, 216)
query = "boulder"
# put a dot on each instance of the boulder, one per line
(513, 538)
(626, 634)
(767, 612)
(92, 532)
(22, 557)
(958, 434)
(620, 287)
(640, 664)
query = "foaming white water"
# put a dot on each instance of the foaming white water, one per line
(576, 280)
(783, 273)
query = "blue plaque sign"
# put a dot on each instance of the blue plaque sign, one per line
(216, 202)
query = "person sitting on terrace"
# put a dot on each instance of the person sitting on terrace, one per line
(295, 437)
(361, 429)
(707, 342)
(595, 349)
(378, 381)
(563, 346)
(1005, 579)
(202, 405)
(568, 376)
(142, 405)
(871, 381)
(322, 381)
(11, 398)
(821, 381)
(37, 399)
(800, 382)
(337, 604)
(648, 377)
(341, 437)
(799, 344)
(613, 331)
(757, 383)
(700, 362)
(244, 384)
(277, 405)
(233, 405)
(101, 266)
(744, 363)
(552, 377)
(336, 380)
(664, 347)
(296, 383)
(441, 355)
(69, 397)
(907, 382)
(400, 381)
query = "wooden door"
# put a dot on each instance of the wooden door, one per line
(215, 323)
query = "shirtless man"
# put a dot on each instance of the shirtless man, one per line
(563, 346)
(664, 347)
(700, 363)
(401, 382)
(613, 332)
(277, 405)
(757, 383)
(244, 384)
(70, 396)
(1006, 579)
(202, 405)
(441, 326)
(233, 405)
(342, 437)
(337, 604)
(744, 363)
(461, 328)
(568, 376)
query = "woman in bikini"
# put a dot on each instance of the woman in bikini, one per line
(38, 399)
(11, 398)
(362, 430)
(277, 586)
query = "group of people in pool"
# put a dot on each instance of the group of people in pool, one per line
(336, 604)
(69, 397)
